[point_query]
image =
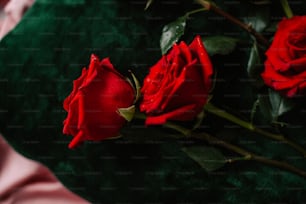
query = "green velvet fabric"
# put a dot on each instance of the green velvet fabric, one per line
(54, 41)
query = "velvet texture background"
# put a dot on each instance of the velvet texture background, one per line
(49, 48)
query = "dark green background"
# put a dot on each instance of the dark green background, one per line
(48, 49)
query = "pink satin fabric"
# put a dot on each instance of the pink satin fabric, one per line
(12, 14)
(22, 180)
(28, 182)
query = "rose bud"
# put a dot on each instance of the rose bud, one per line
(94, 104)
(178, 85)
(285, 67)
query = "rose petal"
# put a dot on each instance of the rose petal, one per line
(184, 77)
(286, 58)
(76, 85)
(185, 88)
(76, 140)
(200, 52)
(286, 85)
(92, 107)
(185, 52)
(183, 113)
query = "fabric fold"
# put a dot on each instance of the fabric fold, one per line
(28, 182)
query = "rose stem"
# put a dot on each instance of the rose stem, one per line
(223, 114)
(184, 131)
(249, 155)
(215, 141)
(247, 27)
(246, 154)
(286, 8)
(195, 11)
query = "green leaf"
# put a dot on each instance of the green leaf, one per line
(208, 158)
(199, 120)
(149, 2)
(138, 88)
(254, 110)
(272, 27)
(279, 104)
(258, 17)
(220, 45)
(127, 113)
(254, 67)
(171, 34)
(266, 111)
(265, 107)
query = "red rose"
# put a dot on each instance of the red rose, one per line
(285, 67)
(178, 85)
(94, 101)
